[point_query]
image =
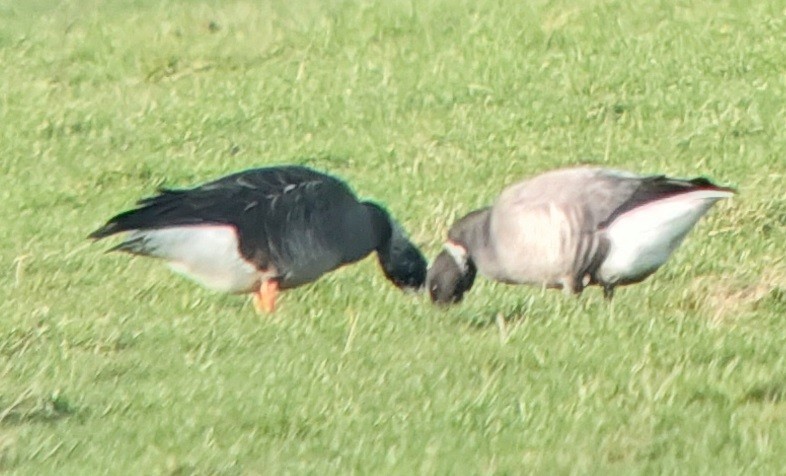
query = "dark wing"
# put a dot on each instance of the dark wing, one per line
(659, 187)
(222, 201)
(307, 229)
(291, 216)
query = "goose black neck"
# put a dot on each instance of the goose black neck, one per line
(381, 226)
(401, 261)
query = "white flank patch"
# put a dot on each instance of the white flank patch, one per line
(208, 254)
(642, 239)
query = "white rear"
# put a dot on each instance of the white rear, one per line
(207, 254)
(642, 239)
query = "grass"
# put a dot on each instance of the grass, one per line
(114, 365)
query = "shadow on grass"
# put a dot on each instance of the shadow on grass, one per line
(28, 408)
(491, 318)
(533, 309)
(766, 392)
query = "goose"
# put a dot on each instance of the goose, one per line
(264, 230)
(570, 228)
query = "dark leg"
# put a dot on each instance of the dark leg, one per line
(578, 284)
(608, 291)
(572, 286)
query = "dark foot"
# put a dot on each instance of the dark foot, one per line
(608, 292)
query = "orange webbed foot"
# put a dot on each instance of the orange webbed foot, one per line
(265, 296)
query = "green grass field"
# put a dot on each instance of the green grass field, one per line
(114, 365)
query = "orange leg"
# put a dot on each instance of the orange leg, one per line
(265, 297)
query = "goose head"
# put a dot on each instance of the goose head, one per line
(451, 274)
(403, 264)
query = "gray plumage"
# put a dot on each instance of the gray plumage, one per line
(570, 228)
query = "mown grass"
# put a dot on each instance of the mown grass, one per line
(113, 365)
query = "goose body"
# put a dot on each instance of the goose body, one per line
(265, 229)
(573, 227)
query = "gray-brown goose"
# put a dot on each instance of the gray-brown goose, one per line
(570, 228)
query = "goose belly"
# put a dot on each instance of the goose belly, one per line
(641, 240)
(207, 254)
(304, 271)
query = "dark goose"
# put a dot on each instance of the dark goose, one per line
(266, 229)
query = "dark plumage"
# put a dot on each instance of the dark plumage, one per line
(266, 229)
